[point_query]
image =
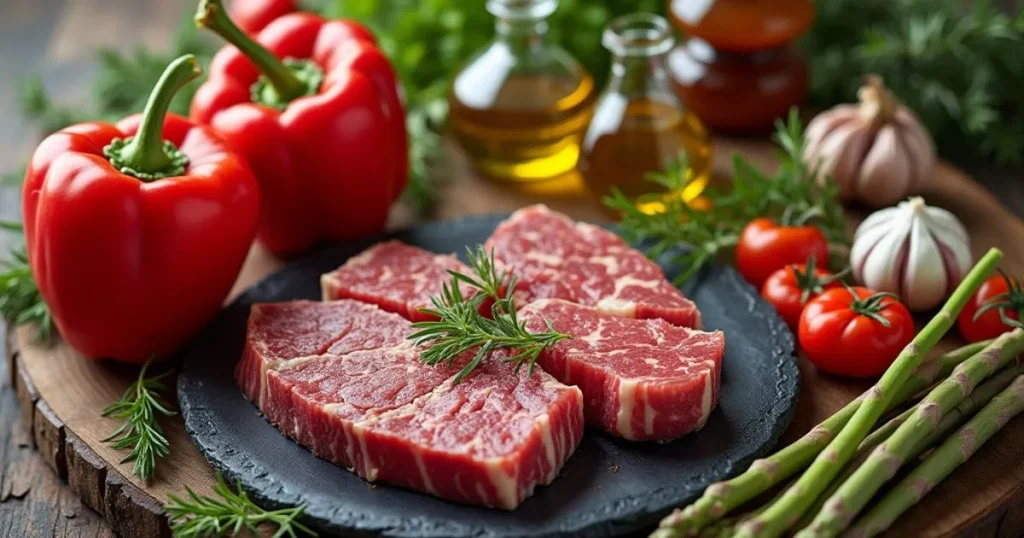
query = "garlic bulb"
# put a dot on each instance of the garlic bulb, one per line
(918, 252)
(877, 152)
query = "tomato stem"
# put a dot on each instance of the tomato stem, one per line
(809, 282)
(871, 306)
(1012, 300)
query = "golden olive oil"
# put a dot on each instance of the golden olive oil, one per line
(523, 128)
(629, 138)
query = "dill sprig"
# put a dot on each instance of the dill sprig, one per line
(228, 513)
(793, 196)
(20, 301)
(141, 432)
(461, 328)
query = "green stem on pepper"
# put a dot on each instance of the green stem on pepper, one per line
(285, 80)
(147, 155)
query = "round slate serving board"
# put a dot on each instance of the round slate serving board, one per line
(608, 487)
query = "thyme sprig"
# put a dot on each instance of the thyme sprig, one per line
(461, 327)
(141, 432)
(795, 195)
(229, 512)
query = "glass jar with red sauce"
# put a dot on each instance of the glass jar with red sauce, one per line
(737, 67)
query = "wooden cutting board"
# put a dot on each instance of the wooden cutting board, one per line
(62, 394)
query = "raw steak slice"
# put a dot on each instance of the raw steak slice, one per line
(557, 258)
(279, 332)
(394, 276)
(641, 379)
(376, 410)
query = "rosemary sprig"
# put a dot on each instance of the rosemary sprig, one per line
(198, 516)
(20, 301)
(792, 196)
(138, 408)
(461, 328)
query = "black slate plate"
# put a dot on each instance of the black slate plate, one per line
(608, 487)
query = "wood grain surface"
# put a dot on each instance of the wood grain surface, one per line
(54, 39)
(61, 393)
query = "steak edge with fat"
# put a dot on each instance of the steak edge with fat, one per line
(395, 276)
(555, 257)
(642, 380)
(340, 379)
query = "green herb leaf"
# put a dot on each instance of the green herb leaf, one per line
(955, 64)
(20, 301)
(141, 432)
(793, 195)
(461, 327)
(230, 511)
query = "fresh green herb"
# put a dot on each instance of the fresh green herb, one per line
(793, 196)
(956, 64)
(197, 516)
(141, 432)
(20, 301)
(461, 328)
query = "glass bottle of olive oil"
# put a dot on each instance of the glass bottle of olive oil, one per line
(520, 106)
(639, 125)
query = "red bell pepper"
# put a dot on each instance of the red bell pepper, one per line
(254, 15)
(323, 130)
(137, 231)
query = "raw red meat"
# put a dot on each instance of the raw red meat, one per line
(394, 276)
(641, 379)
(279, 332)
(342, 380)
(557, 258)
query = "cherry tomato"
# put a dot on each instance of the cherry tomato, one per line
(854, 336)
(1001, 292)
(789, 289)
(765, 247)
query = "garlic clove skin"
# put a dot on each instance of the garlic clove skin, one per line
(877, 151)
(885, 169)
(842, 151)
(823, 124)
(918, 252)
(919, 145)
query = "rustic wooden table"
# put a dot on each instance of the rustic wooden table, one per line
(54, 39)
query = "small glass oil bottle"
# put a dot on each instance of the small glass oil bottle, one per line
(639, 125)
(520, 106)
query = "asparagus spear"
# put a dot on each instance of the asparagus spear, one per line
(885, 460)
(783, 513)
(936, 467)
(723, 497)
(950, 422)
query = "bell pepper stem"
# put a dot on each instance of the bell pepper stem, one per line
(212, 16)
(146, 152)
